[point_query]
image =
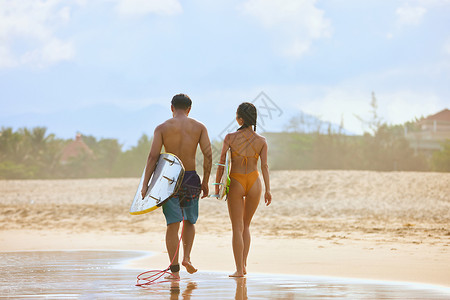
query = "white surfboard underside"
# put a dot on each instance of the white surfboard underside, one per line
(164, 182)
(223, 181)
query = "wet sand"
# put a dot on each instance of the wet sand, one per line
(102, 275)
(372, 225)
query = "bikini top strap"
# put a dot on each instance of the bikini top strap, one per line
(251, 145)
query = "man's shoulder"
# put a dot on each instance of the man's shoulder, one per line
(171, 122)
(162, 125)
(197, 123)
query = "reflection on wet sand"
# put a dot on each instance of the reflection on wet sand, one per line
(186, 292)
(99, 275)
(241, 288)
(175, 290)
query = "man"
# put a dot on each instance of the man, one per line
(180, 135)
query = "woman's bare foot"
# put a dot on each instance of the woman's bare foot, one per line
(191, 286)
(245, 270)
(189, 267)
(236, 274)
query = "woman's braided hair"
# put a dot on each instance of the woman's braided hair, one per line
(247, 112)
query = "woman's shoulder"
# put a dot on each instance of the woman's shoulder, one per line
(260, 137)
(260, 141)
(231, 135)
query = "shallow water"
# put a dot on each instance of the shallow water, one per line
(102, 275)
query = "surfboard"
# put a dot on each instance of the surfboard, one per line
(164, 183)
(224, 183)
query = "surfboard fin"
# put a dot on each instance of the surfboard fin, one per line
(171, 161)
(157, 199)
(171, 180)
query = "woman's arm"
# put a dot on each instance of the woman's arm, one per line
(265, 173)
(223, 156)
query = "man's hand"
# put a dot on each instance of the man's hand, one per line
(268, 198)
(205, 189)
(144, 190)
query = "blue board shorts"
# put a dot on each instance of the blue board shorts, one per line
(185, 201)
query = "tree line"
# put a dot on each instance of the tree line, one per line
(33, 153)
(385, 150)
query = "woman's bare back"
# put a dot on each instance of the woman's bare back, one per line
(246, 146)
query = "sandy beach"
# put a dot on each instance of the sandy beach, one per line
(371, 225)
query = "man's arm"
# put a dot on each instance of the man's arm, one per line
(205, 146)
(152, 158)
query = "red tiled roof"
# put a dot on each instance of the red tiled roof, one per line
(443, 115)
(75, 149)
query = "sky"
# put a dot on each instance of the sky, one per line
(109, 68)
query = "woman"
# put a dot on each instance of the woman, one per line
(245, 187)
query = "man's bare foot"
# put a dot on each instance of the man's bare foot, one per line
(173, 276)
(189, 267)
(236, 274)
(245, 270)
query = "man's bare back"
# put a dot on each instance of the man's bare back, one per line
(180, 136)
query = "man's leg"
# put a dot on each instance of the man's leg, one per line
(188, 241)
(190, 212)
(172, 244)
(173, 215)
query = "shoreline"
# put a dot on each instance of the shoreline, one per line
(358, 260)
(103, 275)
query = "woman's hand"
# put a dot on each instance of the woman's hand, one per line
(268, 198)
(216, 189)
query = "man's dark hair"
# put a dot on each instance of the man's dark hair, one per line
(181, 101)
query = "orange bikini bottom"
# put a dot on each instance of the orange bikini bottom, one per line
(246, 180)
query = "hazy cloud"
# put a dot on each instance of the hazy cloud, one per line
(339, 104)
(130, 8)
(410, 15)
(404, 105)
(294, 23)
(395, 107)
(447, 47)
(27, 32)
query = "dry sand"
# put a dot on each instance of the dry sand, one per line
(376, 225)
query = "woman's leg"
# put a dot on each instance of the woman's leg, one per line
(250, 205)
(236, 212)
